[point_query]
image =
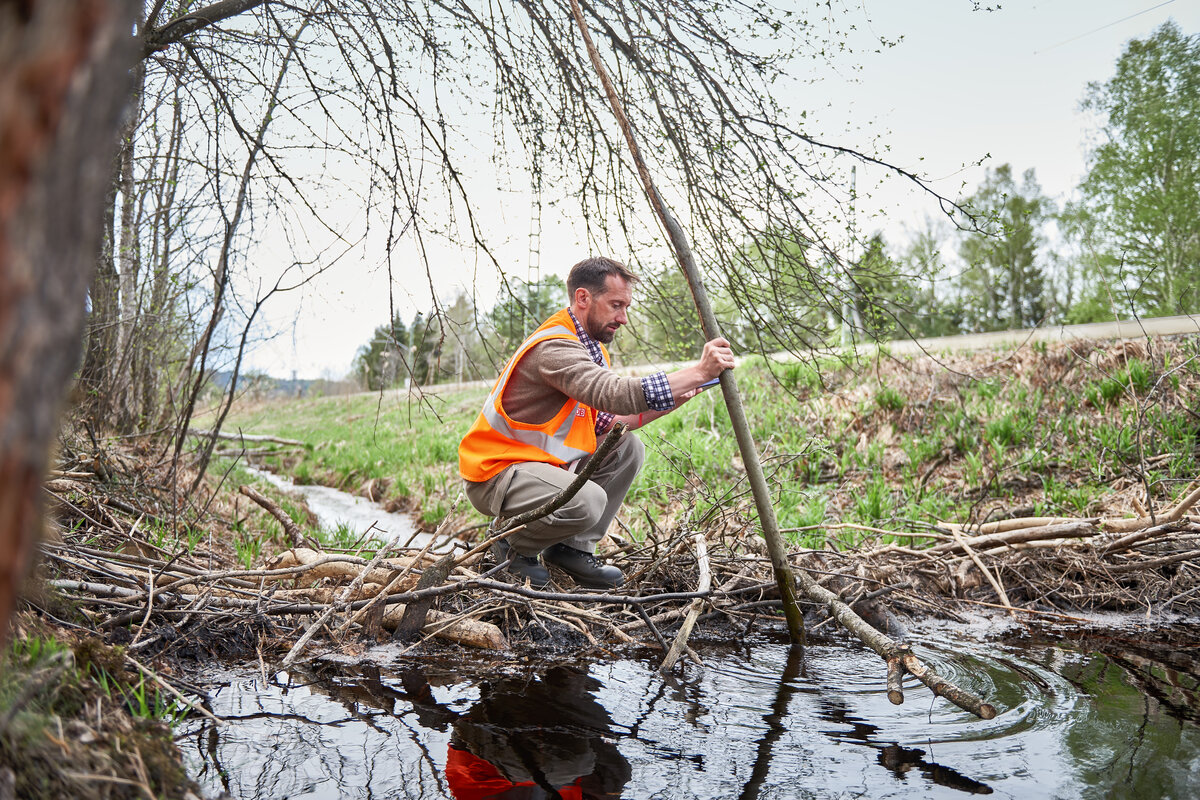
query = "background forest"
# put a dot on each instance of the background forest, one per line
(1126, 244)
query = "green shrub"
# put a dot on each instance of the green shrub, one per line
(888, 399)
(798, 376)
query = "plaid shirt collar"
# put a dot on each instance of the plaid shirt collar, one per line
(593, 347)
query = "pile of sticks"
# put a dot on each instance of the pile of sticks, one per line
(675, 579)
(1036, 565)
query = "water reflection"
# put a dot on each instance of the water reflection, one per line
(893, 756)
(532, 738)
(755, 722)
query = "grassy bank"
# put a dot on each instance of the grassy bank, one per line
(76, 720)
(898, 443)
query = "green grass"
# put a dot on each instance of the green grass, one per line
(888, 399)
(1060, 443)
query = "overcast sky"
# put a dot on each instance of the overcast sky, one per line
(960, 86)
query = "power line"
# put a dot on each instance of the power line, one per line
(1102, 27)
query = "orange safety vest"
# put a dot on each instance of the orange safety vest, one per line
(496, 440)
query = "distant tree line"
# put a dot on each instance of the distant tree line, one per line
(1127, 244)
(456, 342)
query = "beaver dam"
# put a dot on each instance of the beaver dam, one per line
(197, 586)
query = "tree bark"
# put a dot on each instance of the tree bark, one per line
(64, 80)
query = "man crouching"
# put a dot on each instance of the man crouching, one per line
(540, 424)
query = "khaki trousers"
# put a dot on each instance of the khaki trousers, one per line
(583, 520)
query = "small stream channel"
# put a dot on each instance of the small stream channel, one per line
(334, 507)
(1114, 712)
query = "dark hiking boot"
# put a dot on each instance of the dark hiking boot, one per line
(521, 566)
(585, 568)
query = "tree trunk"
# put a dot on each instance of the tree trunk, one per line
(64, 80)
(102, 316)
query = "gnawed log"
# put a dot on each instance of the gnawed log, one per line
(345, 568)
(1076, 529)
(1006, 525)
(465, 631)
(415, 615)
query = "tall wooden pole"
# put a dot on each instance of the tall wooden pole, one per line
(784, 576)
(899, 657)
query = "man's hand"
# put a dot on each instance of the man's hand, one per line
(686, 383)
(716, 358)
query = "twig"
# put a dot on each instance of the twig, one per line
(293, 531)
(1003, 595)
(149, 673)
(685, 630)
(1155, 562)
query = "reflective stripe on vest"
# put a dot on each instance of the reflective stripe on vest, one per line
(496, 441)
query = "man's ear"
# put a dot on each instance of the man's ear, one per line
(582, 298)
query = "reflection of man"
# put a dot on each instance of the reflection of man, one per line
(541, 420)
(536, 739)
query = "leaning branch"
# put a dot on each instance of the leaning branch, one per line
(179, 28)
(293, 532)
(733, 399)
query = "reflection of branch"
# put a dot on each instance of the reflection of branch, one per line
(775, 727)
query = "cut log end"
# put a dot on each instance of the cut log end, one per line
(895, 678)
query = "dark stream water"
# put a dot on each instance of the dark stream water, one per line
(1107, 715)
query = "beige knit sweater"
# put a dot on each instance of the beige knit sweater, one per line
(557, 369)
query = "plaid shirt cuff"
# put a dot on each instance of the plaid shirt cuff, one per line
(604, 421)
(658, 392)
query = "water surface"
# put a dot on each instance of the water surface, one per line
(335, 508)
(1101, 717)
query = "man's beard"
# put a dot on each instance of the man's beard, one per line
(600, 333)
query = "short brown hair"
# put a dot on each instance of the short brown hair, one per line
(593, 274)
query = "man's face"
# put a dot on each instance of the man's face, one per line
(604, 313)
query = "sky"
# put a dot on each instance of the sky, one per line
(961, 86)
